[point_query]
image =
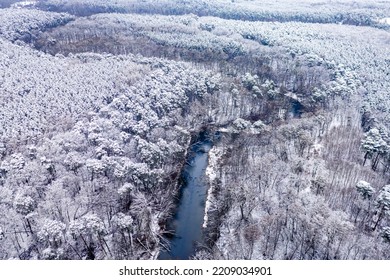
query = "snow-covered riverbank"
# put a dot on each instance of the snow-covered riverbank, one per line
(215, 155)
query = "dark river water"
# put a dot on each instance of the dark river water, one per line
(296, 109)
(188, 220)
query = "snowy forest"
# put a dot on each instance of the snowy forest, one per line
(103, 101)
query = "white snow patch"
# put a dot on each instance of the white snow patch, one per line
(155, 230)
(335, 123)
(224, 130)
(215, 155)
(317, 149)
(182, 129)
(24, 4)
(292, 96)
(385, 21)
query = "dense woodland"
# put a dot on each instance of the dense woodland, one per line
(101, 101)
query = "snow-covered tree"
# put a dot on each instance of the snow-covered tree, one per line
(374, 146)
(364, 189)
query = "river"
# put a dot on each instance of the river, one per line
(188, 220)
